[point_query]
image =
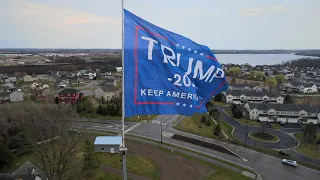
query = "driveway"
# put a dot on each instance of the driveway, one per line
(240, 133)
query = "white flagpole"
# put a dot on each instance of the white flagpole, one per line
(123, 149)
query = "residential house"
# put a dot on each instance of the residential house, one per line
(16, 96)
(106, 92)
(243, 97)
(316, 82)
(28, 171)
(109, 82)
(289, 76)
(90, 75)
(300, 87)
(119, 69)
(42, 76)
(284, 113)
(11, 79)
(244, 87)
(70, 96)
(28, 78)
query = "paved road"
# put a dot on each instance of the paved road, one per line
(285, 140)
(270, 168)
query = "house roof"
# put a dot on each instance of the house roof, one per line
(258, 106)
(108, 140)
(253, 93)
(307, 108)
(242, 85)
(109, 88)
(25, 171)
(284, 107)
(69, 91)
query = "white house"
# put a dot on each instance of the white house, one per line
(10, 79)
(285, 113)
(301, 87)
(16, 96)
(289, 76)
(90, 75)
(107, 92)
(243, 97)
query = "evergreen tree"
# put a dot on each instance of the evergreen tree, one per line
(99, 109)
(90, 160)
(218, 97)
(203, 119)
(217, 130)
(79, 109)
(208, 122)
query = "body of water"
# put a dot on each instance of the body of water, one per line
(257, 59)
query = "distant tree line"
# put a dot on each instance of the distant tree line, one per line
(304, 62)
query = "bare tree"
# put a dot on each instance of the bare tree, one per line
(46, 132)
(55, 144)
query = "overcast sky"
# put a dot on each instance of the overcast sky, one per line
(227, 24)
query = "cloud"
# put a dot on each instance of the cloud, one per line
(259, 11)
(41, 23)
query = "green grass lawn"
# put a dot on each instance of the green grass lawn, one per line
(192, 124)
(18, 161)
(140, 165)
(308, 149)
(274, 138)
(101, 175)
(227, 129)
(276, 126)
(243, 120)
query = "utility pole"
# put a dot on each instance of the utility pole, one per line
(161, 128)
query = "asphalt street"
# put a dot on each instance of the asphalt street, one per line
(286, 141)
(268, 167)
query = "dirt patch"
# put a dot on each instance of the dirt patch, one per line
(172, 167)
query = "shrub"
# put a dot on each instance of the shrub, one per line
(218, 97)
(209, 104)
(236, 113)
(284, 154)
(203, 119)
(208, 122)
(6, 156)
(217, 130)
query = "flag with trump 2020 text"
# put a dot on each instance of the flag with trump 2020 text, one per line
(166, 73)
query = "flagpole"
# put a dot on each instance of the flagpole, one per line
(123, 149)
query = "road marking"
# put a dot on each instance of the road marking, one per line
(158, 122)
(132, 127)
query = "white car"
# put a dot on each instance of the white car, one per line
(289, 162)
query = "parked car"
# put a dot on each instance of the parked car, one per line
(289, 162)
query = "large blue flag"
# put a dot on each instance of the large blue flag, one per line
(166, 73)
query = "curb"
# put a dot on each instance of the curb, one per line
(278, 139)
